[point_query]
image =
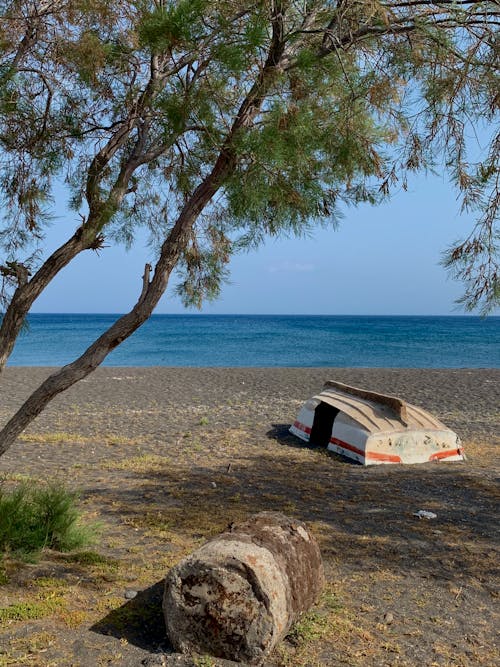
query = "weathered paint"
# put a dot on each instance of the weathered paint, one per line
(237, 596)
(374, 434)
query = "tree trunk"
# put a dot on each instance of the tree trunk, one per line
(171, 250)
(27, 292)
(125, 325)
(238, 595)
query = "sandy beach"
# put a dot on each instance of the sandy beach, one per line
(167, 457)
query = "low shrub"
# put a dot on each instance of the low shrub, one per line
(33, 518)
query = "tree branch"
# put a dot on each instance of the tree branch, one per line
(171, 250)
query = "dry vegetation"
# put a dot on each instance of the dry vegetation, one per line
(170, 457)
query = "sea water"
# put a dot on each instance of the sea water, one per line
(269, 340)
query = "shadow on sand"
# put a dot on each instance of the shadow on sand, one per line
(367, 512)
(140, 621)
(364, 517)
(280, 433)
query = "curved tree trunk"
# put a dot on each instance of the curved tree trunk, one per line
(87, 236)
(125, 325)
(28, 291)
(171, 250)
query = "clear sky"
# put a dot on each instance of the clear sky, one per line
(382, 260)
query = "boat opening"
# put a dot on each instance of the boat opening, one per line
(321, 430)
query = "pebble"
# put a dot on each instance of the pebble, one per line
(425, 514)
(388, 617)
(154, 661)
(130, 594)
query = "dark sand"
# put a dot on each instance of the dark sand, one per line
(166, 457)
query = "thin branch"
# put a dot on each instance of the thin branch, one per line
(145, 281)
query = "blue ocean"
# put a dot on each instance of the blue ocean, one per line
(270, 340)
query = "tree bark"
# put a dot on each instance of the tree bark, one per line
(27, 292)
(238, 595)
(125, 325)
(171, 250)
(85, 237)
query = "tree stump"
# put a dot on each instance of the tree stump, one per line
(238, 595)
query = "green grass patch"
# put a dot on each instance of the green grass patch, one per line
(36, 517)
(91, 558)
(203, 661)
(310, 627)
(30, 610)
(54, 438)
(49, 583)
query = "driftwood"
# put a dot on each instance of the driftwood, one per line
(238, 595)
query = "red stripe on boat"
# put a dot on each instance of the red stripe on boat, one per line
(378, 456)
(302, 427)
(346, 445)
(444, 455)
(374, 456)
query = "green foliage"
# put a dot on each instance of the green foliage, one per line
(174, 108)
(231, 57)
(310, 627)
(27, 611)
(91, 558)
(88, 54)
(204, 268)
(134, 104)
(173, 25)
(233, 54)
(203, 661)
(34, 518)
(294, 168)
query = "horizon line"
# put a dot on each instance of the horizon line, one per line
(194, 314)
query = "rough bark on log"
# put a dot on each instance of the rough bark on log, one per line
(238, 595)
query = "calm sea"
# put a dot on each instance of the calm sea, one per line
(270, 340)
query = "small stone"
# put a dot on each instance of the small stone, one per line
(388, 617)
(130, 594)
(425, 514)
(214, 485)
(154, 661)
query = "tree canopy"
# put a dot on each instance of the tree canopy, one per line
(214, 123)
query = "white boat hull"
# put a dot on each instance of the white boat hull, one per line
(405, 446)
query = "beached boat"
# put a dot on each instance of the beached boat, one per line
(374, 428)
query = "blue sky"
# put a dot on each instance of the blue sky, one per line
(382, 260)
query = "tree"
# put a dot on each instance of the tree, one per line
(217, 122)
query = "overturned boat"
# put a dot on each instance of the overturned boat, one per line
(374, 428)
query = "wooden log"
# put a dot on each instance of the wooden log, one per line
(238, 595)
